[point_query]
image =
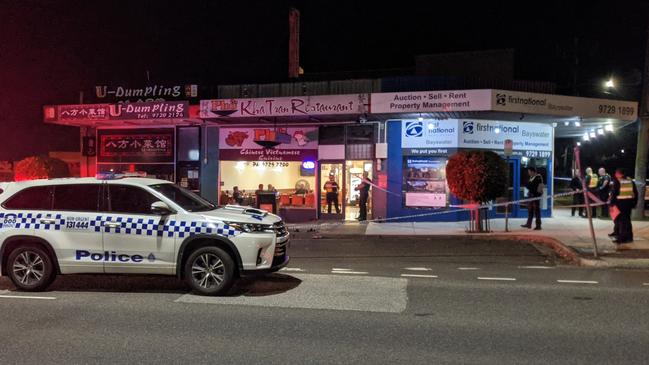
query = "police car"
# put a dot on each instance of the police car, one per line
(136, 225)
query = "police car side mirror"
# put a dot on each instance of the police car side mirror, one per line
(160, 208)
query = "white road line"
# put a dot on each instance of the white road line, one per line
(291, 269)
(577, 282)
(418, 276)
(536, 267)
(418, 269)
(468, 268)
(24, 297)
(497, 279)
(339, 269)
(350, 272)
(646, 284)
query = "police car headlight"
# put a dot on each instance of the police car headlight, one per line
(250, 227)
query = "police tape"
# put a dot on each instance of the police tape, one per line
(462, 208)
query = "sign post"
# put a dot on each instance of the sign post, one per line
(587, 202)
(507, 149)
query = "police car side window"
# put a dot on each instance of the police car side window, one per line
(34, 198)
(130, 199)
(77, 197)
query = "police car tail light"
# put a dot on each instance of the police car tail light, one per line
(251, 227)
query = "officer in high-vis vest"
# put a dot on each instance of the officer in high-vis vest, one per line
(624, 197)
(591, 185)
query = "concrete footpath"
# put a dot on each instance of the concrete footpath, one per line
(568, 236)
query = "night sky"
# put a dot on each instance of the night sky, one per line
(50, 50)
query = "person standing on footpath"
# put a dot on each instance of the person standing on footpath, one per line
(624, 197)
(603, 190)
(577, 198)
(534, 190)
(331, 189)
(364, 191)
(591, 185)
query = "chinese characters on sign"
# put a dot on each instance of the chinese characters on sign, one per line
(135, 145)
(83, 112)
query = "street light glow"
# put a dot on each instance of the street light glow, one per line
(592, 134)
(609, 84)
(585, 137)
(608, 128)
(600, 131)
(577, 123)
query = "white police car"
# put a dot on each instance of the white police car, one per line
(132, 225)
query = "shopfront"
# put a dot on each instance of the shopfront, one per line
(280, 159)
(157, 139)
(420, 149)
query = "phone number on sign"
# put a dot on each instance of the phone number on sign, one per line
(612, 109)
(538, 154)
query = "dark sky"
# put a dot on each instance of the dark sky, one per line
(50, 50)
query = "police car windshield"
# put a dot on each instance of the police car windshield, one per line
(186, 199)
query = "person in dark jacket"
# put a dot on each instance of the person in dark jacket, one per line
(624, 197)
(364, 193)
(577, 198)
(603, 189)
(534, 190)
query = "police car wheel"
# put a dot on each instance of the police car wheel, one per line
(209, 271)
(30, 268)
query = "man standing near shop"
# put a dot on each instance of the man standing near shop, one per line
(364, 193)
(331, 189)
(534, 190)
(603, 189)
(591, 185)
(624, 197)
(577, 198)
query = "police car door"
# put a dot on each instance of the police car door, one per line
(133, 239)
(69, 227)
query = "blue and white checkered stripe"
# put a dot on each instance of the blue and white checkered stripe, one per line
(183, 229)
(127, 225)
(33, 221)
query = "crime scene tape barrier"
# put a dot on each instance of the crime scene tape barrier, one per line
(462, 208)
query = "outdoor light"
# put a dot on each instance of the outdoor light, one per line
(622, 150)
(609, 128)
(578, 143)
(609, 84)
(420, 118)
(600, 131)
(554, 124)
(566, 123)
(577, 123)
(585, 137)
(592, 134)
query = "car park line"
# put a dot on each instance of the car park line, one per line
(468, 268)
(418, 276)
(25, 297)
(350, 272)
(496, 278)
(577, 282)
(418, 269)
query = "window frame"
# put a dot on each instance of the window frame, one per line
(98, 203)
(107, 208)
(22, 191)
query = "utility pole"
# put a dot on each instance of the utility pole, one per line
(643, 135)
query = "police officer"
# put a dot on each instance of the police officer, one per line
(364, 194)
(603, 189)
(534, 190)
(591, 185)
(624, 197)
(331, 189)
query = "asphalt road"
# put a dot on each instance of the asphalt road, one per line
(346, 301)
